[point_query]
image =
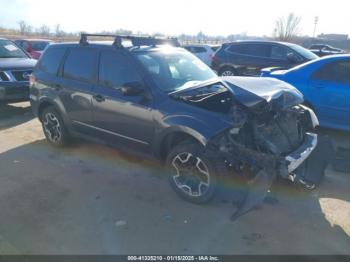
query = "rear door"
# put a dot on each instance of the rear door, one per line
(331, 92)
(250, 58)
(120, 119)
(76, 86)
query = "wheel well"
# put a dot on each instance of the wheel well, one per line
(171, 140)
(42, 106)
(309, 105)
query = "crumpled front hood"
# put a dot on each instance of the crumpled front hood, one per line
(16, 63)
(257, 93)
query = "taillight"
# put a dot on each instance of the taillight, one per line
(32, 80)
(213, 59)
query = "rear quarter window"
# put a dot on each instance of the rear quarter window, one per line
(51, 60)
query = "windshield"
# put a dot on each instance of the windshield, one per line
(8, 49)
(175, 69)
(39, 46)
(304, 52)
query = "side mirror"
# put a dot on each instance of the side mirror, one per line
(132, 89)
(292, 58)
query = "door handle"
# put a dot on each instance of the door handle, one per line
(99, 98)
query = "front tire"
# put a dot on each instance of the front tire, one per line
(53, 127)
(192, 173)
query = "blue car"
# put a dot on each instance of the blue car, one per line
(325, 84)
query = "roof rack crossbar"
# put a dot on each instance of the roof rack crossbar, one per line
(135, 40)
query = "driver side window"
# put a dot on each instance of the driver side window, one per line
(115, 70)
(279, 52)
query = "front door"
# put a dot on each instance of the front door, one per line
(122, 119)
(331, 91)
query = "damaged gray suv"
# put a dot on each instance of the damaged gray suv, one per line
(161, 101)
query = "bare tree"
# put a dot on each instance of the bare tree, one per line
(44, 30)
(58, 31)
(287, 28)
(24, 28)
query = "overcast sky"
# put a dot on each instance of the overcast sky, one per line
(215, 17)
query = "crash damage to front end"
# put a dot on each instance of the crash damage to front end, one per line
(272, 135)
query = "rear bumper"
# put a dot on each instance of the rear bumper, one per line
(14, 91)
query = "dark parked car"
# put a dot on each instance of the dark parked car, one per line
(35, 47)
(323, 50)
(163, 102)
(15, 68)
(247, 58)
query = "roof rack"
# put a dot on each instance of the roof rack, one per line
(135, 40)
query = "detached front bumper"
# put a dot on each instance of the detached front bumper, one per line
(295, 159)
(307, 164)
(14, 91)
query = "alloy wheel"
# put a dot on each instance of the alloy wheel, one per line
(52, 127)
(191, 174)
(227, 73)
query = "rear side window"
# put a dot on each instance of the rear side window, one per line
(259, 50)
(81, 64)
(236, 49)
(334, 72)
(115, 70)
(51, 60)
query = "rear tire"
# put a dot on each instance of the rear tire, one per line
(227, 71)
(53, 127)
(192, 173)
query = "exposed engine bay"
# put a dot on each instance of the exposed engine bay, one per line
(271, 134)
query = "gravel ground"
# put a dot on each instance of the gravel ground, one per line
(90, 199)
